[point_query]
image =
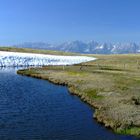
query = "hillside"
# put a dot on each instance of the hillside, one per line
(91, 47)
(30, 50)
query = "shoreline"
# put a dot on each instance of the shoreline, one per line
(71, 89)
(101, 113)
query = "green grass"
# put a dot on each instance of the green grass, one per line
(29, 72)
(74, 73)
(93, 93)
(128, 131)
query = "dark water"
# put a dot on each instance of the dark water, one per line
(33, 109)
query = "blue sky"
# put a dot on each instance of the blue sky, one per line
(66, 20)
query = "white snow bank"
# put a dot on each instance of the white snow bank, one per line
(8, 59)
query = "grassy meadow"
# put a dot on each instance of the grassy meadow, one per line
(110, 84)
(28, 50)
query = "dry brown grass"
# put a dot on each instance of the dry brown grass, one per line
(28, 50)
(111, 84)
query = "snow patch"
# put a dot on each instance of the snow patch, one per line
(10, 59)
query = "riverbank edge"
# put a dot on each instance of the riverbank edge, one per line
(98, 115)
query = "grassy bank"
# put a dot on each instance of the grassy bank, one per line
(28, 50)
(111, 84)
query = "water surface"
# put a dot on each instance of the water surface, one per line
(34, 109)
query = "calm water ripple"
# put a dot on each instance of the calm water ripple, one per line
(33, 109)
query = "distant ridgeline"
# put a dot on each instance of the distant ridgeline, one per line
(8, 59)
(91, 47)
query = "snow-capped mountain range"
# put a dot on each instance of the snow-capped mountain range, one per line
(91, 47)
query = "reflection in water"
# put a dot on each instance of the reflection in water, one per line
(36, 109)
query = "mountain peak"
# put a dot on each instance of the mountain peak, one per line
(91, 47)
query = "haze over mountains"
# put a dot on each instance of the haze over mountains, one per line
(91, 47)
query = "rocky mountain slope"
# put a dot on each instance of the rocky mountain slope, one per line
(92, 47)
